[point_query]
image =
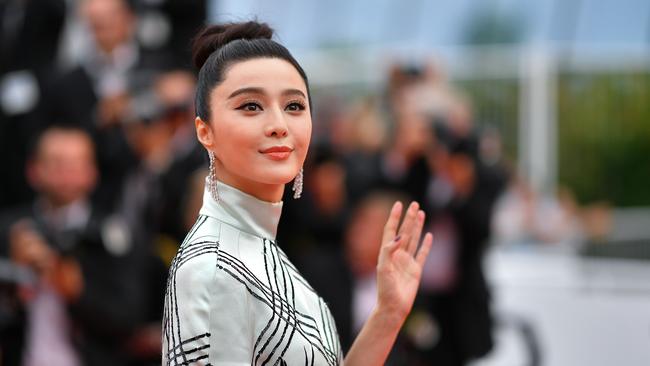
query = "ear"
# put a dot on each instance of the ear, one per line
(204, 133)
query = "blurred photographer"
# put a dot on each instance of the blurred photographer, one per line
(88, 294)
(158, 128)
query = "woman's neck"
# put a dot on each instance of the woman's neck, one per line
(262, 191)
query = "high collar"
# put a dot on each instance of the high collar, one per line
(243, 211)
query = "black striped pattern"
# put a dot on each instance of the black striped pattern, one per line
(182, 351)
(311, 334)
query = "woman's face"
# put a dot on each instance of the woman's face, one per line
(260, 126)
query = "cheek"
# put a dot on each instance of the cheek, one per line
(232, 141)
(302, 133)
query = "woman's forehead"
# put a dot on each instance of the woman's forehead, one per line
(272, 75)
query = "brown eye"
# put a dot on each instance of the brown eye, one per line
(295, 107)
(250, 107)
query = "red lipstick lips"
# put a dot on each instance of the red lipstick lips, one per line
(277, 152)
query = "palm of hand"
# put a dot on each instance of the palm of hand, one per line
(399, 268)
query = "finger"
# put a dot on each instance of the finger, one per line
(421, 257)
(417, 233)
(390, 229)
(389, 248)
(409, 220)
(399, 242)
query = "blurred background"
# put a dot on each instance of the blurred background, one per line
(522, 128)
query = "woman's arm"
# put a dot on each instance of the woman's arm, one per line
(399, 269)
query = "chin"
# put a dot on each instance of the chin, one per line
(278, 176)
(279, 179)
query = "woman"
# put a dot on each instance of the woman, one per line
(233, 297)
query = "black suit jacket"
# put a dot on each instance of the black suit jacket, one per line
(467, 306)
(115, 295)
(29, 40)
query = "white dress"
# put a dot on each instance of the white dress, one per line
(233, 298)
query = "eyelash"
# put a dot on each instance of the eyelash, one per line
(301, 105)
(248, 103)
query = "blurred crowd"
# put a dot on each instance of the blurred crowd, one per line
(415, 141)
(104, 177)
(100, 157)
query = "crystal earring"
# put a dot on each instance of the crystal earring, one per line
(297, 185)
(212, 178)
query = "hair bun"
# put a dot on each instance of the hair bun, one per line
(213, 37)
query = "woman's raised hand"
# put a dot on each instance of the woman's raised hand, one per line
(399, 269)
(399, 266)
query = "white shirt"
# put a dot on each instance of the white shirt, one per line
(233, 297)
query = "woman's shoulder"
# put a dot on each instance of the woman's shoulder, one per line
(195, 262)
(197, 255)
(200, 256)
(204, 230)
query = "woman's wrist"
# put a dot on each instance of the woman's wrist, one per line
(376, 339)
(389, 316)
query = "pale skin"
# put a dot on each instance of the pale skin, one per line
(263, 103)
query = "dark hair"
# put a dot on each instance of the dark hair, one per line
(217, 47)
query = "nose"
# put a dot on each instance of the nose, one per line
(276, 125)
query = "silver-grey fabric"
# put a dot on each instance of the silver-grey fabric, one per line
(234, 298)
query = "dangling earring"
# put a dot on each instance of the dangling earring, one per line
(297, 185)
(212, 178)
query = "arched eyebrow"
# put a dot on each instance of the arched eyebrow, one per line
(256, 90)
(287, 92)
